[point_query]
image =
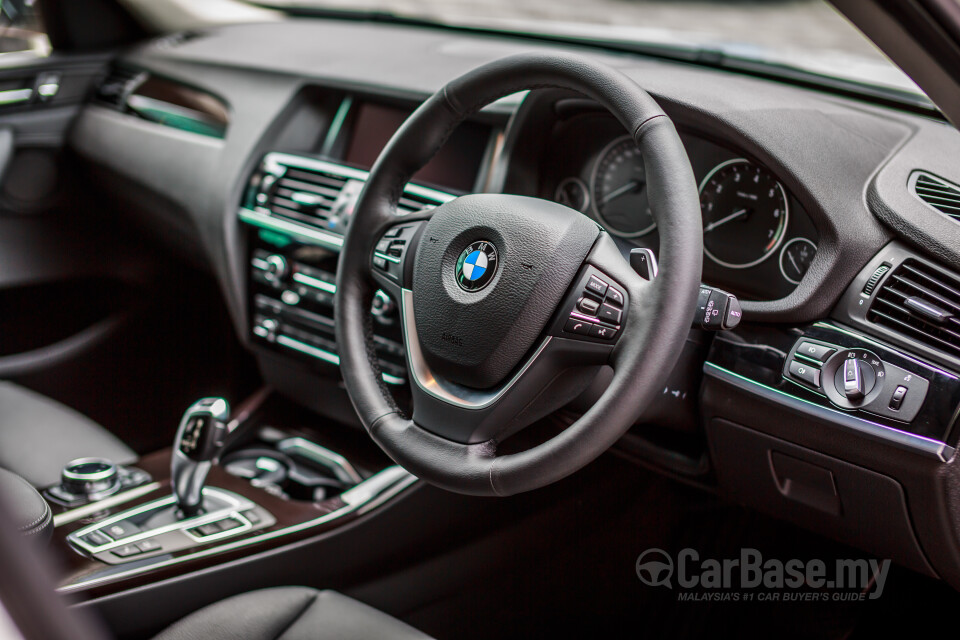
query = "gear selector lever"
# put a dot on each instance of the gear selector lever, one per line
(199, 439)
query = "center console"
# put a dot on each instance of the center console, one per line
(297, 209)
(232, 486)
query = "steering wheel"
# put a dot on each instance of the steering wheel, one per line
(491, 291)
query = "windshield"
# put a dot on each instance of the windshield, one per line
(781, 35)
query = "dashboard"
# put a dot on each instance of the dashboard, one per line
(808, 214)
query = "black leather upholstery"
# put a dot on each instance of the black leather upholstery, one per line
(29, 512)
(38, 436)
(289, 613)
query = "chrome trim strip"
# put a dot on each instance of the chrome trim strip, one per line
(902, 439)
(235, 504)
(393, 259)
(15, 96)
(91, 508)
(877, 343)
(448, 392)
(302, 232)
(316, 283)
(326, 356)
(364, 497)
(340, 466)
(308, 349)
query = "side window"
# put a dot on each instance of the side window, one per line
(21, 30)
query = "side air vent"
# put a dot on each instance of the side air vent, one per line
(117, 86)
(176, 39)
(938, 193)
(922, 303)
(322, 193)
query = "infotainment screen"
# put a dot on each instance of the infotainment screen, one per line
(454, 167)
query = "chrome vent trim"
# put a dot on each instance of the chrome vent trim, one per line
(941, 195)
(114, 90)
(921, 302)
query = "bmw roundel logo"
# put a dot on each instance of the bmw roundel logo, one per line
(476, 266)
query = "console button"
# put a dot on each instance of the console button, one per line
(596, 285)
(146, 546)
(609, 313)
(97, 539)
(805, 372)
(614, 297)
(815, 351)
(896, 400)
(588, 306)
(126, 551)
(581, 327)
(229, 523)
(252, 516)
(122, 529)
(604, 333)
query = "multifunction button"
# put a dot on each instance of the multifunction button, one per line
(598, 308)
(389, 252)
(716, 310)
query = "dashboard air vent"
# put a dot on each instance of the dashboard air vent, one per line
(938, 193)
(305, 194)
(922, 303)
(117, 86)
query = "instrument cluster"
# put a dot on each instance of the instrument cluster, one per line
(758, 240)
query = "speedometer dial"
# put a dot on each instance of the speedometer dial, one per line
(744, 214)
(619, 190)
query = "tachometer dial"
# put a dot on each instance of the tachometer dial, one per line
(745, 214)
(619, 190)
(572, 192)
(795, 259)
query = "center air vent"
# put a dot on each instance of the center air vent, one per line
(938, 193)
(323, 193)
(922, 303)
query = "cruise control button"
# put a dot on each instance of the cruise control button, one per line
(596, 285)
(614, 297)
(393, 233)
(805, 372)
(816, 351)
(577, 326)
(382, 246)
(604, 333)
(379, 262)
(609, 313)
(588, 305)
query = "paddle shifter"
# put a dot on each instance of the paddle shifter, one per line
(199, 440)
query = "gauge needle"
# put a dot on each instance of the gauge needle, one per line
(793, 262)
(616, 193)
(733, 216)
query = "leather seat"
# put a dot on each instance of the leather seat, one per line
(289, 613)
(38, 436)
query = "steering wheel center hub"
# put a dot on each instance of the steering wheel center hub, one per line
(488, 274)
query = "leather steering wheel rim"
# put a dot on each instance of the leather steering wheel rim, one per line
(657, 315)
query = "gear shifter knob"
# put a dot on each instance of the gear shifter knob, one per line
(199, 439)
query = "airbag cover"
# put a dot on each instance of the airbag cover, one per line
(475, 338)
